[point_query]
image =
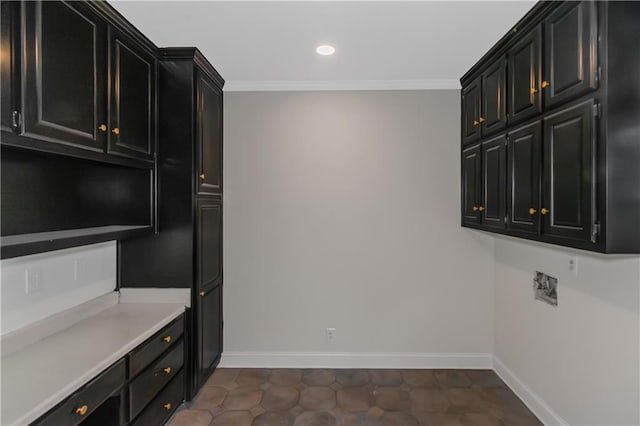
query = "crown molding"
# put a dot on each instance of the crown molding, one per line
(324, 85)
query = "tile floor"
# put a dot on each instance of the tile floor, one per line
(275, 397)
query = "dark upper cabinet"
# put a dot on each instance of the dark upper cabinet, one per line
(471, 108)
(64, 75)
(492, 208)
(209, 329)
(523, 177)
(568, 191)
(471, 185)
(132, 100)
(571, 34)
(209, 240)
(8, 62)
(494, 98)
(209, 136)
(525, 68)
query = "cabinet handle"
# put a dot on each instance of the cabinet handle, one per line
(481, 208)
(476, 122)
(532, 210)
(475, 209)
(115, 131)
(534, 90)
(167, 370)
(544, 211)
(167, 406)
(102, 127)
(82, 410)
(202, 293)
(167, 339)
(545, 84)
(202, 176)
(481, 120)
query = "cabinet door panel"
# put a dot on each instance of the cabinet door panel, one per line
(571, 33)
(523, 165)
(494, 98)
(64, 77)
(525, 99)
(8, 62)
(471, 112)
(209, 137)
(132, 99)
(568, 174)
(493, 183)
(209, 331)
(471, 177)
(209, 244)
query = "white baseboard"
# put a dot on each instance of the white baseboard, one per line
(532, 400)
(355, 360)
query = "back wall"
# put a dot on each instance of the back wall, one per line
(342, 211)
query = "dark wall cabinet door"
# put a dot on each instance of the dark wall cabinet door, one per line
(209, 329)
(209, 232)
(471, 185)
(523, 177)
(132, 106)
(568, 173)
(493, 183)
(209, 137)
(8, 62)
(471, 106)
(571, 33)
(64, 77)
(525, 99)
(494, 98)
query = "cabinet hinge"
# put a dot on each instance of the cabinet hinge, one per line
(15, 119)
(595, 231)
(596, 110)
(598, 74)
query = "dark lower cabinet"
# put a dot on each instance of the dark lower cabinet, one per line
(209, 329)
(64, 75)
(492, 208)
(523, 178)
(471, 185)
(471, 111)
(525, 70)
(494, 98)
(132, 106)
(568, 191)
(571, 34)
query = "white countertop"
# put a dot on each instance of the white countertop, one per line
(42, 374)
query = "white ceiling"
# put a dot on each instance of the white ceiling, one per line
(271, 45)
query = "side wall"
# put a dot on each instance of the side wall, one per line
(580, 359)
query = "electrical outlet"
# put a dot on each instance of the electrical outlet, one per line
(33, 281)
(331, 334)
(573, 264)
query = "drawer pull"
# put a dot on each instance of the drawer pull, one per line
(82, 410)
(544, 211)
(481, 208)
(545, 84)
(202, 176)
(115, 131)
(202, 293)
(167, 370)
(102, 127)
(167, 339)
(532, 211)
(475, 208)
(167, 406)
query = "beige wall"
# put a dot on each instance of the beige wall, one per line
(342, 210)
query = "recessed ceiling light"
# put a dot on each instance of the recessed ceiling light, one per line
(325, 50)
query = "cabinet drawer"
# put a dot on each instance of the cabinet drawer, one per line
(164, 404)
(152, 348)
(144, 388)
(79, 405)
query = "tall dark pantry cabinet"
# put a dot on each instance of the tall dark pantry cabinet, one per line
(187, 250)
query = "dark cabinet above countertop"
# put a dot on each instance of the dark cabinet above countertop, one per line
(567, 78)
